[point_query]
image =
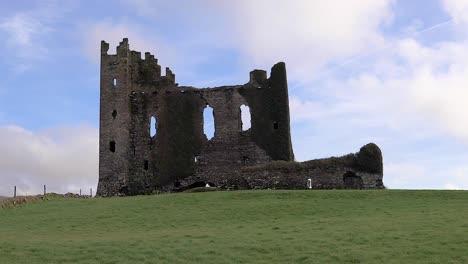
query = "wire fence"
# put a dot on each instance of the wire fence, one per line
(81, 193)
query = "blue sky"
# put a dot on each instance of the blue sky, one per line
(392, 72)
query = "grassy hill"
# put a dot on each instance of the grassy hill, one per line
(333, 226)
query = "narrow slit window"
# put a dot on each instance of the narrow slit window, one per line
(114, 81)
(112, 146)
(146, 165)
(114, 114)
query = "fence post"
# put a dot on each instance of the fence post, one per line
(14, 193)
(45, 190)
(91, 192)
(80, 192)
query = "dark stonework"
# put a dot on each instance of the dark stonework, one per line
(331, 173)
(180, 156)
(369, 159)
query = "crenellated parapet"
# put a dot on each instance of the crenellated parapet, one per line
(130, 66)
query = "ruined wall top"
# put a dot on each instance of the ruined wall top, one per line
(147, 67)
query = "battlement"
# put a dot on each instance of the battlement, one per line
(128, 65)
(104, 47)
(123, 49)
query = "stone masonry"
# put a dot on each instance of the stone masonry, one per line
(179, 155)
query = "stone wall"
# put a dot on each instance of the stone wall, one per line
(331, 173)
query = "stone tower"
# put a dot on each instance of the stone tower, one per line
(133, 91)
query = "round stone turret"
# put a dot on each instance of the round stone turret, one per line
(369, 158)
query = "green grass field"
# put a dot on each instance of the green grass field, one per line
(386, 226)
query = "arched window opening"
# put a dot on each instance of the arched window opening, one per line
(153, 126)
(245, 117)
(208, 122)
(112, 146)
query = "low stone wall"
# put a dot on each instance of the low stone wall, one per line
(362, 170)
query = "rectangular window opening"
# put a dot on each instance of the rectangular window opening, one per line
(146, 165)
(112, 146)
(275, 125)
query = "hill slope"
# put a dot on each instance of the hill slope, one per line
(242, 227)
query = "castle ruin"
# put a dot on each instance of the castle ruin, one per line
(179, 156)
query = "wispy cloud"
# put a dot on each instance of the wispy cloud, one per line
(307, 34)
(26, 33)
(22, 28)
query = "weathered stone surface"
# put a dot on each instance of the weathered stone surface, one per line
(179, 156)
(330, 173)
(369, 159)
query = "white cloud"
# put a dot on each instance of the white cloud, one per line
(419, 85)
(303, 111)
(305, 34)
(179, 57)
(65, 159)
(406, 85)
(113, 33)
(457, 9)
(22, 28)
(23, 31)
(27, 32)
